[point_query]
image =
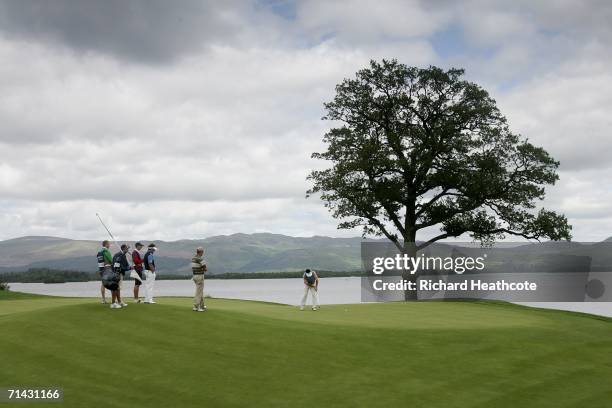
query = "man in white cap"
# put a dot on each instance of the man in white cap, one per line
(149, 265)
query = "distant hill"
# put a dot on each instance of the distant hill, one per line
(246, 253)
(225, 253)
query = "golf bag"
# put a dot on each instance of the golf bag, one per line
(110, 278)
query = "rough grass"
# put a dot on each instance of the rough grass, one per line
(239, 353)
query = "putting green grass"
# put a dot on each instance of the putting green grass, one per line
(251, 354)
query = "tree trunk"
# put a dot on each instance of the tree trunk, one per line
(410, 250)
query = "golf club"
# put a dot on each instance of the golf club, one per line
(129, 256)
(109, 233)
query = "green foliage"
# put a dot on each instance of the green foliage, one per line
(422, 147)
(4, 286)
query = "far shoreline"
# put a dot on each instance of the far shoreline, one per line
(44, 275)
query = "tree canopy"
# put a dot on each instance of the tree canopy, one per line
(416, 148)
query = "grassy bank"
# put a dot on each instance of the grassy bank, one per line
(433, 354)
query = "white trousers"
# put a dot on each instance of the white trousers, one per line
(148, 284)
(315, 296)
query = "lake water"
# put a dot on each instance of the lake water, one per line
(287, 291)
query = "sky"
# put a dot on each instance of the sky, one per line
(197, 118)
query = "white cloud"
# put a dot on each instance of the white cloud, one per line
(490, 27)
(215, 136)
(365, 21)
(567, 110)
(168, 220)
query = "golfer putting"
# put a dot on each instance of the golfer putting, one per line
(311, 285)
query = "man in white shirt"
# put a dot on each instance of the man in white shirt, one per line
(150, 273)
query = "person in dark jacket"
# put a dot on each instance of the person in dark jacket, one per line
(139, 269)
(120, 267)
(311, 285)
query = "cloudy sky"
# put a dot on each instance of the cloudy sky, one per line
(195, 118)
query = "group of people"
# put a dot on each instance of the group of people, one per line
(112, 269)
(142, 268)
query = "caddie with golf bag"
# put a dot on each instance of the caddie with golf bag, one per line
(105, 260)
(120, 267)
(110, 278)
(111, 269)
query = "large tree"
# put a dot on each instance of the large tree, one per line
(417, 148)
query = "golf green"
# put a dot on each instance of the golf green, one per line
(251, 354)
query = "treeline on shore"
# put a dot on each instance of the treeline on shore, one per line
(278, 275)
(48, 275)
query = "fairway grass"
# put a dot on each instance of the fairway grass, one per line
(253, 354)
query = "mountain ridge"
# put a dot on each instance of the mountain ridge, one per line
(237, 252)
(240, 252)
